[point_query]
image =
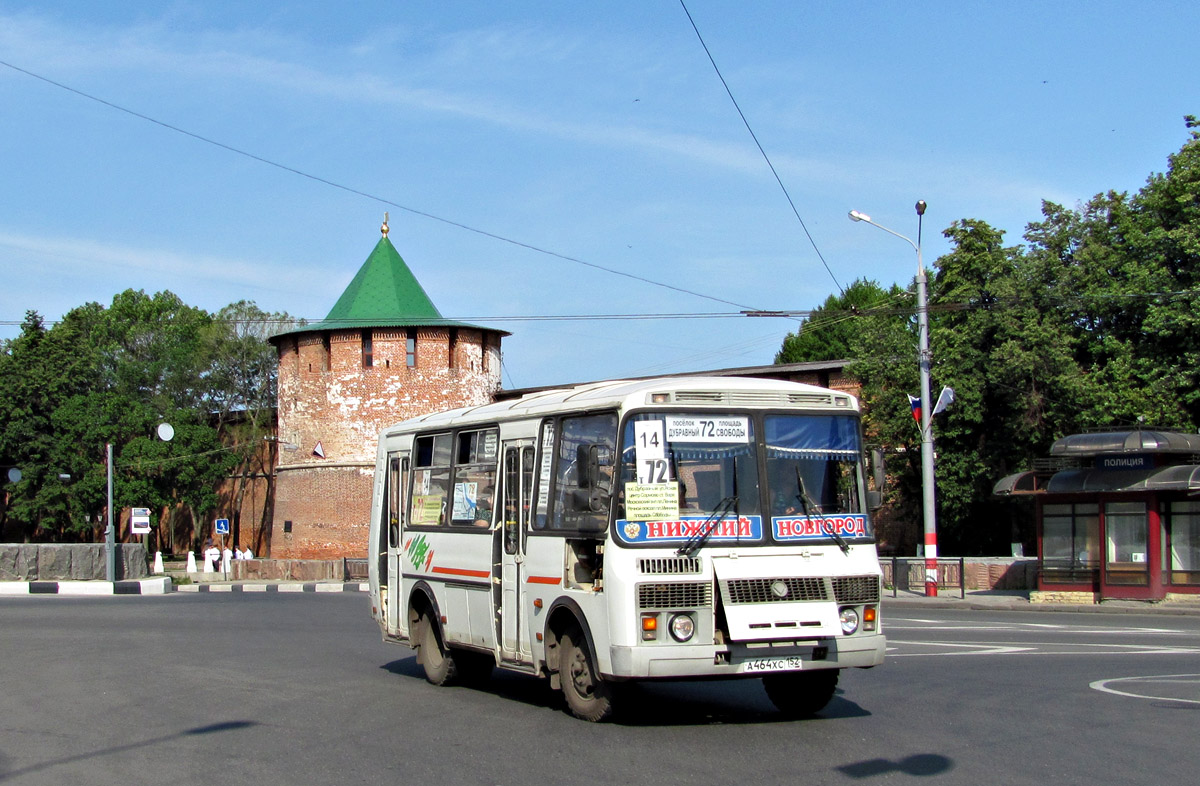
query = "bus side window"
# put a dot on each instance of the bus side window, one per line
(395, 497)
(512, 500)
(474, 478)
(586, 452)
(431, 481)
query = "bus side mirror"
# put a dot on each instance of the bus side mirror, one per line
(590, 500)
(874, 499)
(878, 469)
(589, 459)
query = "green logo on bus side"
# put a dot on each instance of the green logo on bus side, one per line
(418, 551)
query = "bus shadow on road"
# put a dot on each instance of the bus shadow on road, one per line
(685, 703)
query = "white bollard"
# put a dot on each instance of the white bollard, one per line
(191, 566)
(158, 563)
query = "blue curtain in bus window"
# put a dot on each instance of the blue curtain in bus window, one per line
(812, 437)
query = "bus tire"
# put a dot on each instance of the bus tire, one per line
(801, 694)
(588, 696)
(440, 667)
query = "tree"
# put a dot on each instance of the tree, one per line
(242, 381)
(1094, 324)
(829, 331)
(111, 376)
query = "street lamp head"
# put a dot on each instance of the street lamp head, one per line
(857, 216)
(920, 207)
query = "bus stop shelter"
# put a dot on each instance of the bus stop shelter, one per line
(1118, 513)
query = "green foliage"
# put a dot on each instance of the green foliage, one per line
(111, 376)
(830, 330)
(1095, 323)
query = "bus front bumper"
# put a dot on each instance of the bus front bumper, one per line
(744, 659)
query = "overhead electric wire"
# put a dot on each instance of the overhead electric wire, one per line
(760, 148)
(828, 316)
(374, 197)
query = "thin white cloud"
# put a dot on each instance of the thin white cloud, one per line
(60, 259)
(55, 50)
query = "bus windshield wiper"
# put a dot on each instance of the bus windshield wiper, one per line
(828, 527)
(697, 541)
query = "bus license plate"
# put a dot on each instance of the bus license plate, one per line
(781, 663)
(789, 663)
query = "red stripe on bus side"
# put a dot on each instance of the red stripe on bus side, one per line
(477, 574)
(543, 580)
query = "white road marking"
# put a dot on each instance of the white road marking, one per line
(1163, 679)
(1040, 648)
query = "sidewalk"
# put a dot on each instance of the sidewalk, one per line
(1000, 600)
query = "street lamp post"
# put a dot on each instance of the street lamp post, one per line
(924, 358)
(110, 531)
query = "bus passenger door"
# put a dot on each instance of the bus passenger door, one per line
(517, 490)
(394, 520)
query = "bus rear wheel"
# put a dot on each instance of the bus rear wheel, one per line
(588, 696)
(800, 694)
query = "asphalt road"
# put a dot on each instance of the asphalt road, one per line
(298, 689)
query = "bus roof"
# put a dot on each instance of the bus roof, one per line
(683, 392)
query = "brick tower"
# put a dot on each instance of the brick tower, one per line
(383, 354)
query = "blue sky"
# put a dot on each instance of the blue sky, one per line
(598, 131)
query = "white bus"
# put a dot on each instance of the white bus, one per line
(672, 528)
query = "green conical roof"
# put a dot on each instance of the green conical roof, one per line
(384, 293)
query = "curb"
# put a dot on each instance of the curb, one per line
(162, 585)
(308, 586)
(159, 585)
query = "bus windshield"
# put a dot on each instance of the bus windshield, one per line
(687, 474)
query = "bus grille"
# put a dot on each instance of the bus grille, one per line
(669, 565)
(760, 590)
(856, 589)
(680, 595)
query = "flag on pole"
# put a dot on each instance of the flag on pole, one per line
(915, 403)
(945, 399)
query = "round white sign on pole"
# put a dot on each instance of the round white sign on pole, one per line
(166, 431)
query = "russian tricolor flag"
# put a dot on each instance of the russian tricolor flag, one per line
(915, 403)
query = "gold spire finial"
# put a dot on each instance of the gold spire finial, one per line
(384, 228)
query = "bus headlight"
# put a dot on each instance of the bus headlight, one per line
(849, 619)
(682, 627)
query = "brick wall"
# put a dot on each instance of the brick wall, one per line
(328, 396)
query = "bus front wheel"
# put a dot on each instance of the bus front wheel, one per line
(440, 668)
(588, 696)
(799, 694)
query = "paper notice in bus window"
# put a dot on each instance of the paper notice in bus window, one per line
(465, 495)
(652, 501)
(426, 510)
(650, 451)
(708, 428)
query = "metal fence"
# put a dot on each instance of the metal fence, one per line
(908, 574)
